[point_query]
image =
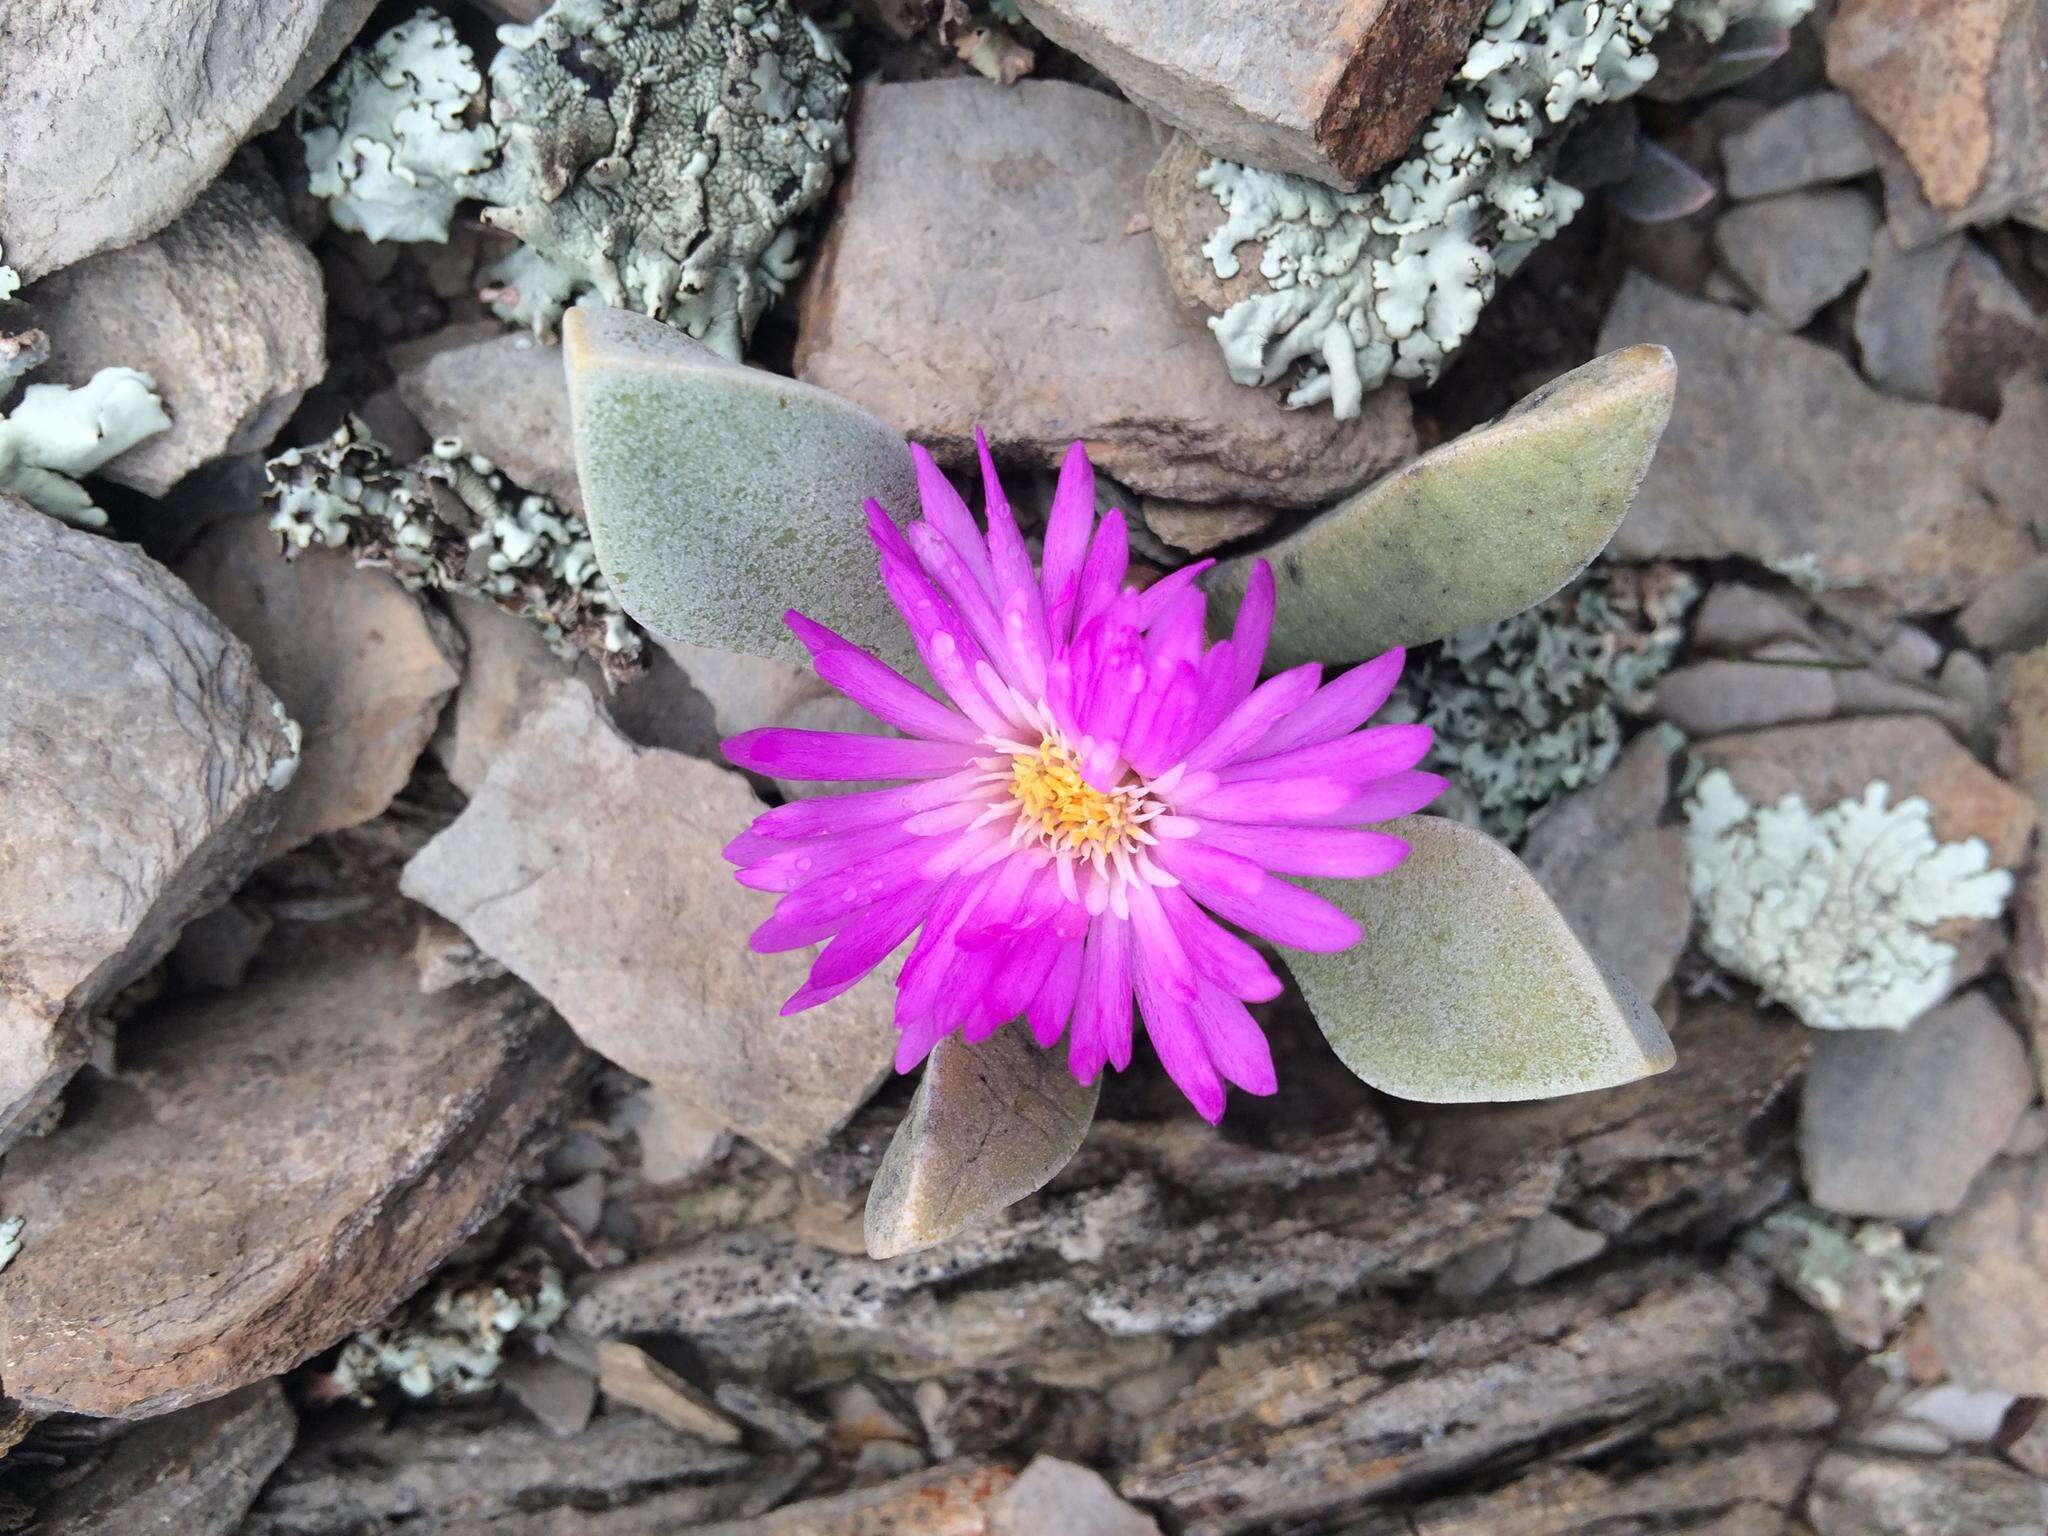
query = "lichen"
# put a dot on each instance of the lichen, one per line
(10, 280)
(1830, 912)
(449, 1341)
(10, 1239)
(1533, 707)
(391, 136)
(659, 155)
(286, 768)
(451, 522)
(1388, 280)
(55, 436)
(1863, 1275)
(1712, 18)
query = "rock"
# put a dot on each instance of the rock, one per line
(1773, 435)
(193, 1473)
(1785, 682)
(507, 398)
(118, 115)
(949, 1500)
(317, 1143)
(1615, 873)
(555, 1392)
(1549, 1245)
(2015, 462)
(1051, 1495)
(1898, 1124)
(1198, 529)
(137, 745)
(442, 1474)
(215, 951)
(1987, 1305)
(2023, 730)
(1050, 302)
(1330, 89)
(507, 670)
(720, 496)
(1516, 1010)
(1956, 86)
(1944, 323)
(1480, 529)
(1807, 142)
(627, 1373)
(1869, 1493)
(678, 1139)
(1799, 251)
(991, 1123)
(2012, 613)
(361, 664)
(618, 907)
(224, 309)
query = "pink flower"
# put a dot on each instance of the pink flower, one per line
(1096, 789)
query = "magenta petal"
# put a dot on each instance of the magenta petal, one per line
(784, 753)
(1177, 1039)
(1363, 755)
(1398, 794)
(1102, 575)
(1054, 1003)
(1265, 905)
(1235, 1043)
(1067, 527)
(1220, 955)
(1102, 1010)
(877, 687)
(947, 513)
(1342, 705)
(1254, 627)
(1155, 599)
(1331, 852)
(830, 814)
(1270, 701)
(1273, 800)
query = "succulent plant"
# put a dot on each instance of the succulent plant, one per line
(719, 496)
(656, 156)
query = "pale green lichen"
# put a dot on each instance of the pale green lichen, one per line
(1864, 1275)
(10, 1239)
(450, 1341)
(391, 136)
(10, 280)
(55, 436)
(659, 155)
(1830, 912)
(286, 768)
(450, 522)
(1712, 18)
(1387, 281)
(1533, 707)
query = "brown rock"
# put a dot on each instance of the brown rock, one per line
(949, 1500)
(274, 1169)
(1773, 437)
(192, 1473)
(1800, 250)
(592, 869)
(1616, 874)
(2023, 731)
(225, 309)
(1872, 1493)
(1785, 682)
(1988, 1302)
(2016, 453)
(1329, 89)
(507, 399)
(2012, 613)
(1050, 302)
(1053, 1495)
(1957, 86)
(1944, 323)
(136, 745)
(1199, 529)
(360, 663)
(629, 1374)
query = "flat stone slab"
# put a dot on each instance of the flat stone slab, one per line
(1050, 318)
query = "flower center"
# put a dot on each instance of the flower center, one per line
(1069, 811)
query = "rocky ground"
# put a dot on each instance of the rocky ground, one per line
(398, 1134)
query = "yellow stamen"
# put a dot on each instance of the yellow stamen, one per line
(1071, 812)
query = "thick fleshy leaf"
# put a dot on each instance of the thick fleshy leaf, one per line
(719, 495)
(1474, 532)
(1470, 987)
(990, 1123)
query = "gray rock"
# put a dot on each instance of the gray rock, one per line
(992, 1121)
(1784, 682)
(316, 1144)
(192, 1473)
(1329, 89)
(562, 1396)
(1051, 302)
(225, 309)
(1898, 1124)
(117, 115)
(136, 746)
(1549, 1245)
(952, 1499)
(1615, 873)
(361, 664)
(1799, 251)
(216, 949)
(1944, 324)
(507, 398)
(1806, 142)
(1869, 1493)
(1987, 1306)
(2012, 613)
(1773, 437)
(592, 869)
(2015, 459)
(1051, 1495)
